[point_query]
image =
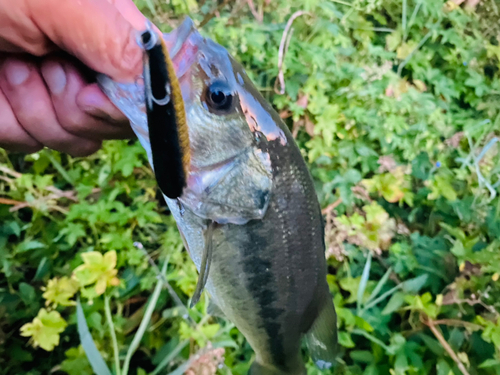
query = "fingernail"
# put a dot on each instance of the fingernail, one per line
(55, 77)
(94, 104)
(91, 101)
(16, 72)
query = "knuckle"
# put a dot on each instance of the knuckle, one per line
(73, 122)
(80, 125)
(37, 113)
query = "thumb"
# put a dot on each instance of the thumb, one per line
(102, 34)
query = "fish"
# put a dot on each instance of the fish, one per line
(248, 213)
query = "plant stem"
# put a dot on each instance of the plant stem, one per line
(364, 280)
(167, 285)
(282, 52)
(342, 2)
(412, 19)
(379, 286)
(112, 332)
(422, 42)
(446, 346)
(59, 167)
(382, 297)
(145, 320)
(178, 348)
(458, 323)
(372, 338)
(404, 16)
(212, 14)
(170, 356)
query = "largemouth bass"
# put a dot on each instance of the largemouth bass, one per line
(248, 214)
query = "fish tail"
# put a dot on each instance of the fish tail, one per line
(261, 369)
(322, 337)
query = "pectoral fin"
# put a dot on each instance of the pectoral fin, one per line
(322, 337)
(206, 259)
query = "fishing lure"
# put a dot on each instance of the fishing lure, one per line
(166, 117)
(168, 133)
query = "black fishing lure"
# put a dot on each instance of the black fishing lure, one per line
(166, 116)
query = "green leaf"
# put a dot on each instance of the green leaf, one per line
(362, 356)
(364, 280)
(380, 285)
(490, 363)
(441, 186)
(73, 232)
(352, 286)
(210, 330)
(93, 355)
(30, 245)
(455, 232)
(226, 344)
(146, 317)
(76, 363)
(433, 345)
(393, 40)
(165, 361)
(414, 285)
(345, 339)
(401, 363)
(397, 300)
(27, 293)
(14, 228)
(363, 324)
(404, 50)
(421, 166)
(443, 368)
(42, 270)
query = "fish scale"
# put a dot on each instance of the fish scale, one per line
(249, 208)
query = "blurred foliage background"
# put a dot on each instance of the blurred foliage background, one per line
(396, 107)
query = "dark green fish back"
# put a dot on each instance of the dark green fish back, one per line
(284, 269)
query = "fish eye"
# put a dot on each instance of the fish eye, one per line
(219, 98)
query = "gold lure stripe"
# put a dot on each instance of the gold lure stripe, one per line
(180, 113)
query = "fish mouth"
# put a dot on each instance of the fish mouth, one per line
(176, 38)
(182, 44)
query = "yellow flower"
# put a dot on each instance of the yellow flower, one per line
(59, 291)
(44, 330)
(97, 269)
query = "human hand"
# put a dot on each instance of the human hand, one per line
(45, 99)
